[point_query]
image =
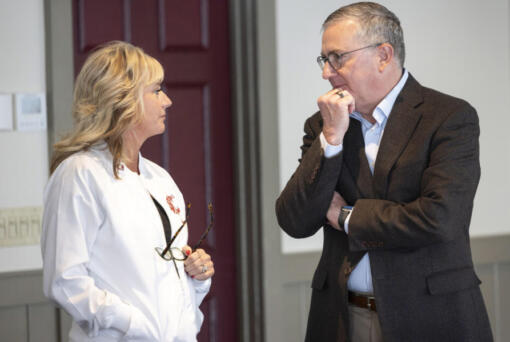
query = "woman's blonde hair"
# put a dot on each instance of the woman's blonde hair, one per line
(108, 99)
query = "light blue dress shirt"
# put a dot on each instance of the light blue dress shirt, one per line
(360, 279)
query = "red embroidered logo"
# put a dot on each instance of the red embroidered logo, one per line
(169, 200)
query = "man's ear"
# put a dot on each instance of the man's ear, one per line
(385, 55)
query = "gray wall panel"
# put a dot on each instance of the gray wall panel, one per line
(291, 313)
(13, 324)
(21, 287)
(25, 313)
(65, 325)
(42, 323)
(504, 302)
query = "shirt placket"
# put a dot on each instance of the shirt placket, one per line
(372, 136)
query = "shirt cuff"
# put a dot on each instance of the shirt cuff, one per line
(126, 319)
(329, 150)
(113, 313)
(138, 327)
(202, 286)
(122, 318)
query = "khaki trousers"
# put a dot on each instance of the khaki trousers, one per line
(364, 325)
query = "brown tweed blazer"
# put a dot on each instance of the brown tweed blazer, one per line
(412, 216)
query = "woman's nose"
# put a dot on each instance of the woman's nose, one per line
(166, 101)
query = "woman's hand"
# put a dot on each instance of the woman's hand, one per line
(198, 263)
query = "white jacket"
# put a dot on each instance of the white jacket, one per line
(99, 260)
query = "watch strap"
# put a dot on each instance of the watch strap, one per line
(344, 213)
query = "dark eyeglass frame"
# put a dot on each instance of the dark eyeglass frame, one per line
(335, 59)
(167, 254)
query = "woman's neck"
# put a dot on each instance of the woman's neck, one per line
(131, 150)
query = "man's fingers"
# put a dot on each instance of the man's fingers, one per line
(334, 100)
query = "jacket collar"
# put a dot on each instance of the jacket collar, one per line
(399, 129)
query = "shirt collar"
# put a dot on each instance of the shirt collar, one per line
(102, 147)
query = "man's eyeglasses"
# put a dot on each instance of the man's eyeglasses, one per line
(175, 253)
(336, 60)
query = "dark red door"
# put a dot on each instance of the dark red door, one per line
(190, 39)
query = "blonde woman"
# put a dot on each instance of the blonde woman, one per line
(109, 213)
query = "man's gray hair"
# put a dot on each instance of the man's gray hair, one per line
(378, 25)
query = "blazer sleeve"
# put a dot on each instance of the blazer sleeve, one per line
(442, 211)
(302, 206)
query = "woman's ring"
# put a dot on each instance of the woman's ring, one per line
(341, 94)
(204, 268)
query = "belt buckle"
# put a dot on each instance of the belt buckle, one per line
(369, 301)
(364, 301)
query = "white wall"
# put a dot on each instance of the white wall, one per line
(460, 47)
(24, 155)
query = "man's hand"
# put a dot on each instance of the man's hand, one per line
(335, 107)
(334, 210)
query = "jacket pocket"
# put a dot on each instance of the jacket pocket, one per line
(452, 281)
(319, 279)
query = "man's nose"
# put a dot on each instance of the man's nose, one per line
(328, 71)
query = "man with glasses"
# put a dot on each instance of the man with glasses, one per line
(390, 169)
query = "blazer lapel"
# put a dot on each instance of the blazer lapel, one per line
(399, 129)
(355, 159)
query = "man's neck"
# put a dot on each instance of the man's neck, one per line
(388, 84)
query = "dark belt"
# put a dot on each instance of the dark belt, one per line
(362, 301)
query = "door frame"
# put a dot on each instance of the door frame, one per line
(255, 108)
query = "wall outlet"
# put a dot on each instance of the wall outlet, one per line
(20, 226)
